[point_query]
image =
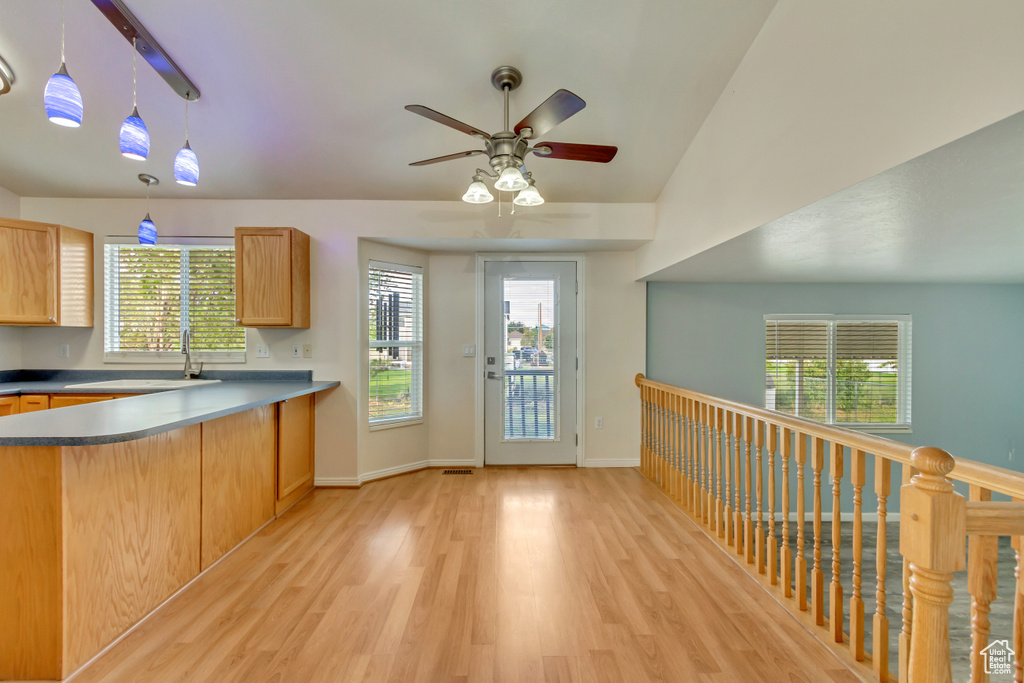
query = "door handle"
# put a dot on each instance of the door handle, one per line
(493, 375)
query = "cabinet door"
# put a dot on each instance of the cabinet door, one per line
(9, 405)
(263, 278)
(28, 273)
(65, 400)
(32, 402)
(294, 449)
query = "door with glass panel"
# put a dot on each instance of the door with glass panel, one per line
(530, 363)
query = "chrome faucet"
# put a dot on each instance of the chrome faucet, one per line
(190, 371)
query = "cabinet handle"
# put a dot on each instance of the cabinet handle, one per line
(53, 320)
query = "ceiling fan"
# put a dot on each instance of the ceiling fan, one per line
(507, 149)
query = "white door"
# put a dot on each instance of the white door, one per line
(530, 363)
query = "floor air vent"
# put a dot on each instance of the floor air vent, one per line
(457, 472)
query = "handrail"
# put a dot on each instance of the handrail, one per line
(712, 456)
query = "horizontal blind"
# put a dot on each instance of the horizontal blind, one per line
(152, 294)
(211, 300)
(867, 340)
(796, 340)
(395, 312)
(143, 299)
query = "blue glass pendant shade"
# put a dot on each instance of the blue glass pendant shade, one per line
(147, 231)
(186, 166)
(134, 137)
(62, 100)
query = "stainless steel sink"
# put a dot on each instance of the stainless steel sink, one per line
(128, 384)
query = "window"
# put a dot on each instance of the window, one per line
(395, 312)
(844, 370)
(153, 293)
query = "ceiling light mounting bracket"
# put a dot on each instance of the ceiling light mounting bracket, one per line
(132, 29)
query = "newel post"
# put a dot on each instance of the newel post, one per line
(933, 526)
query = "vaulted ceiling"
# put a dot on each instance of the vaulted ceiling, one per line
(304, 100)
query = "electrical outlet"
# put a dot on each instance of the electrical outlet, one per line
(307, 350)
(598, 423)
(65, 350)
(296, 351)
(262, 351)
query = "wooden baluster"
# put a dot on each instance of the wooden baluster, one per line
(817, 578)
(801, 559)
(835, 587)
(707, 482)
(643, 429)
(787, 549)
(701, 434)
(684, 414)
(677, 431)
(748, 522)
(773, 546)
(908, 601)
(982, 573)
(690, 453)
(880, 627)
(759, 548)
(672, 490)
(719, 508)
(737, 518)
(728, 510)
(712, 458)
(933, 523)
(858, 474)
(661, 441)
(695, 436)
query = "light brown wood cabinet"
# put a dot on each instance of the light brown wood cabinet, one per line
(32, 402)
(295, 433)
(46, 274)
(271, 277)
(9, 405)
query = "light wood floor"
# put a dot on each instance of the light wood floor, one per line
(508, 574)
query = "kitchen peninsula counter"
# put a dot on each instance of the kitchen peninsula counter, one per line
(108, 509)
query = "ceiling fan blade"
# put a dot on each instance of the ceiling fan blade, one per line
(550, 113)
(447, 157)
(447, 120)
(601, 154)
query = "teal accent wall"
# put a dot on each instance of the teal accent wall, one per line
(967, 352)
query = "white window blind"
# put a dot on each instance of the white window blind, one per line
(152, 294)
(847, 370)
(395, 313)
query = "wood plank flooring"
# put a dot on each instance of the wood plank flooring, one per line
(508, 574)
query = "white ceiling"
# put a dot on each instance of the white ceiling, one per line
(955, 214)
(304, 100)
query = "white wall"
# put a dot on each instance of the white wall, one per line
(10, 337)
(831, 93)
(337, 309)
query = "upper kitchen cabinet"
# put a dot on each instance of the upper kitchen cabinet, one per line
(271, 277)
(45, 274)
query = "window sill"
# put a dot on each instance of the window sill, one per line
(170, 358)
(397, 422)
(878, 429)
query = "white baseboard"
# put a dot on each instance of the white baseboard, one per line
(390, 472)
(616, 462)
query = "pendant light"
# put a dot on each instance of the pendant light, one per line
(61, 98)
(186, 163)
(147, 229)
(134, 137)
(478, 192)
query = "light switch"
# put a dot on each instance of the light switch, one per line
(262, 351)
(296, 351)
(468, 350)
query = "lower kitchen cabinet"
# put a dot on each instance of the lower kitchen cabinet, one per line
(9, 405)
(65, 400)
(32, 402)
(295, 430)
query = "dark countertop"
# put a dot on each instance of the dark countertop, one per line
(126, 419)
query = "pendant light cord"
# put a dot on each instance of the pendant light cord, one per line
(61, 31)
(186, 120)
(135, 84)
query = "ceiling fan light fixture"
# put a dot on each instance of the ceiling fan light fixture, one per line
(477, 192)
(529, 196)
(511, 180)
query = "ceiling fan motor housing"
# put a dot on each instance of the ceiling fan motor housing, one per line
(506, 149)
